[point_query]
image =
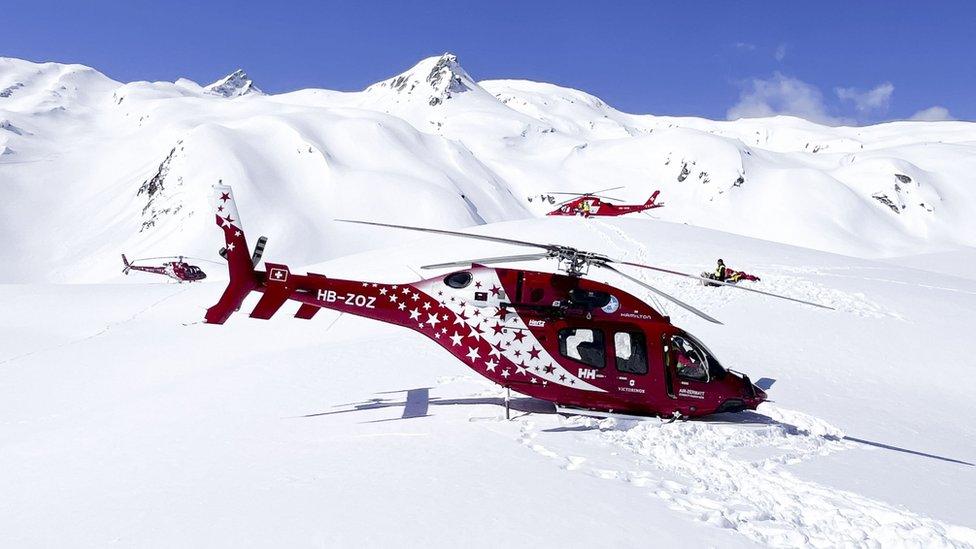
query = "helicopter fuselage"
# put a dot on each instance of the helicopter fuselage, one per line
(179, 270)
(593, 206)
(565, 339)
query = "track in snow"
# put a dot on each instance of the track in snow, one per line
(730, 471)
(737, 477)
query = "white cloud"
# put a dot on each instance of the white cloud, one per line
(780, 52)
(744, 46)
(876, 99)
(932, 114)
(781, 95)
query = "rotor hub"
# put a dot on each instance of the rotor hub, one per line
(575, 262)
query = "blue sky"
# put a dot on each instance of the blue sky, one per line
(835, 62)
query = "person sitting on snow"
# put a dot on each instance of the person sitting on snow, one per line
(725, 274)
(721, 272)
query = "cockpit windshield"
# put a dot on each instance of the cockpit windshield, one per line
(694, 361)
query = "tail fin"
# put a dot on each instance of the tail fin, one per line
(242, 276)
(652, 201)
(128, 265)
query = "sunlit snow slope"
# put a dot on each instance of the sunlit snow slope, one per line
(126, 421)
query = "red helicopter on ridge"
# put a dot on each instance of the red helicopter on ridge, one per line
(179, 269)
(593, 205)
(560, 337)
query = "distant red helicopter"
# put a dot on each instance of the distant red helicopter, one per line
(581, 344)
(179, 269)
(593, 204)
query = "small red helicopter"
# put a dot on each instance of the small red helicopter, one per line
(179, 269)
(581, 344)
(593, 204)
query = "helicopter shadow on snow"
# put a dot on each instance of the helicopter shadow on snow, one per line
(418, 402)
(749, 417)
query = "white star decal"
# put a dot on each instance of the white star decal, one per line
(414, 314)
(505, 374)
(490, 365)
(427, 306)
(402, 307)
(393, 298)
(406, 291)
(473, 353)
(415, 297)
(456, 339)
(382, 291)
(230, 247)
(432, 319)
(237, 233)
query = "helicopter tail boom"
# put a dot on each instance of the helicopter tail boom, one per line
(652, 202)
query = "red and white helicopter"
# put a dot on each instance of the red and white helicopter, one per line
(558, 337)
(179, 269)
(593, 204)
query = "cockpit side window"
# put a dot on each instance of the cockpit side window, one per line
(583, 345)
(691, 360)
(630, 351)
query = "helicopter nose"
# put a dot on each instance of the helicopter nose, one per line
(755, 396)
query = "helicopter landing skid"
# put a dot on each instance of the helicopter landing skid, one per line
(567, 410)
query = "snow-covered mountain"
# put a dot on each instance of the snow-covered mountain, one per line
(92, 167)
(234, 84)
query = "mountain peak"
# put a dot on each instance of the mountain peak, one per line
(436, 79)
(234, 84)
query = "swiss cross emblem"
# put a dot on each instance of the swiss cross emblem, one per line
(279, 275)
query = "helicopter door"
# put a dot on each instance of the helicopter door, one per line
(686, 369)
(630, 357)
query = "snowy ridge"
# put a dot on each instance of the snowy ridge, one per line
(437, 147)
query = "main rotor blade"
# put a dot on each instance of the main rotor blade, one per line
(600, 196)
(151, 258)
(605, 190)
(202, 259)
(453, 233)
(669, 297)
(487, 261)
(723, 283)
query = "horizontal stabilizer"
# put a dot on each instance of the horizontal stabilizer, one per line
(277, 289)
(307, 311)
